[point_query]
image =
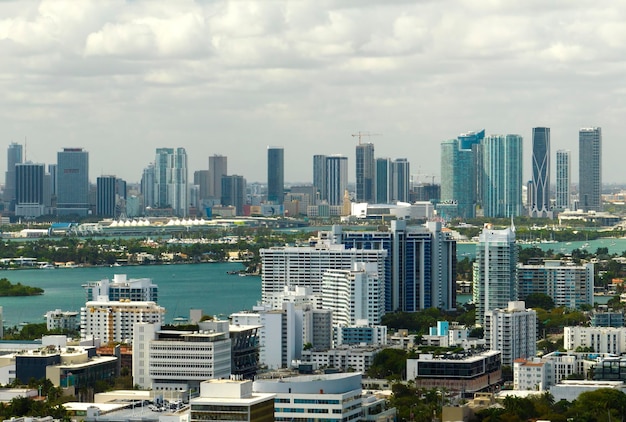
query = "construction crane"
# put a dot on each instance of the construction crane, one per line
(361, 134)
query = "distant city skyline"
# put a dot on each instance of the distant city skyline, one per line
(236, 76)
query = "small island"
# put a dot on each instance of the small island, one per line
(9, 289)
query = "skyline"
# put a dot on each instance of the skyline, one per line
(121, 79)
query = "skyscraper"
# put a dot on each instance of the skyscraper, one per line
(400, 180)
(563, 179)
(14, 156)
(218, 167)
(147, 186)
(495, 271)
(365, 173)
(72, 182)
(105, 196)
(458, 185)
(336, 178)
(202, 178)
(383, 180)
(275, 175)
(29, 190)
(539, 205)
(319, 176)
(171, 177)
(234, 192)
(502, 165)
(590, 168)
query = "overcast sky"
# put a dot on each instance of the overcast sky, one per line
(121, 78)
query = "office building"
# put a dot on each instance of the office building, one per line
(73, 182)
(106, 189)
(320, 176)
(354, 294)
(569, 285)
(539, 205)
(178, 360)
(383, 181)
(231, 400)
(171, 179)
(495, 271)
(121, 288)
(512, 331)
(502, 181)
(563, 180)
(275, 175)
(52, 170)
(590, 169)
(147, 186)
(336, 178)
(400, 180)
(234, 192)
(14, 156)
(202, 179)
(365, 173)
(218, 168)
(420, 263)
(315, 397)
(113, 321)
(29, 190)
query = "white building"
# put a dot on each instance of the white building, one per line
(121, 287)
(62, 320)
(178, 360)
(400, 210)
(345, 358)
(598, 339)
(360, 334)
(513, 331)
(356, 294)
(113, 321)
(297, 295)
(569, 285)
(534, 374)
(304, 266)
(319, 397)
(569, 390)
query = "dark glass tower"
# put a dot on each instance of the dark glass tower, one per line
(105, 196)
(539, 205)
(234, 192)
(319, 176)
(14, 156)
(72, 181)
(365, 173)
(590, 168)
(275, 175)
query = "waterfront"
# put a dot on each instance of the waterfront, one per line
(181, 287)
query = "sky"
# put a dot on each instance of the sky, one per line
(122, 78)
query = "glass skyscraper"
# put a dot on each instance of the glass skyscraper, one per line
(400, 180)
(234, 192)
(563, 179)
(502, 165)
(383, 180)
(365, 173)
(14, 156)
(539, 205)
(275, 175)
(105, 196)
(72, 182)
(30, 189)
(218, 167)
(319, 176)
(590, 169)
(171, 180)
(336, 178)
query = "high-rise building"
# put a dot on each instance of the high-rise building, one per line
(234, 192)
(72, 181)
(171, 177)
(14, 156)
(147, 186)
(400, 180)
(122, 288)
(202, 178)
(383, 180)
(495, 271)
(563, 179)
(590, 169)
(513, 331)
(539, 205)
(275, 175)
(336, 178)
(420, 264)
(365, 173)
(52, 170)
(319, 176)
(29, 190)
(106, 187)
(502, 164)
(218, 167)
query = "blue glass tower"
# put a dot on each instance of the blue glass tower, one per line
(502, 163)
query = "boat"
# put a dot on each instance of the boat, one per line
(47, 266)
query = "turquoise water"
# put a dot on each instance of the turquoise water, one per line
(181, 287)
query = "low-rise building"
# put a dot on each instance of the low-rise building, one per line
(569, 390)
(62, 320)
(596, 339)
(344, 358)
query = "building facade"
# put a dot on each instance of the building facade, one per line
(171, 180)
(234, 192)
(502, 181)
(29, 190)
(73, 182)
(14, 156)
(512, 331)
(106, 189)
(275, 175)
(590, 169)
(336, 178)
(218, 168)
(365, 173)
(563, 180)
(539, 205)
(123, 288)
(400, 180)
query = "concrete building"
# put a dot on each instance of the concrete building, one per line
(123, 288)
(569, 390)
(62, 320)
(344, 358)
(512, 331)
(178, 360)
(355, 294)
(73, 182)
(542, 373)
(495, 271)
(534, 374)
(569, 285)
(467, 373)
(563, 180)
(360, 334)
(597, 339)
(231, 400)
(319, 397)
(590, 169)
(113, 321)
(218, 167)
